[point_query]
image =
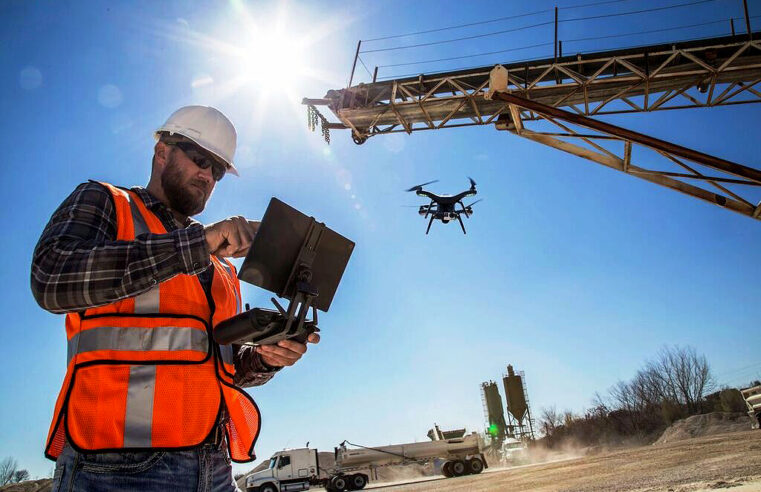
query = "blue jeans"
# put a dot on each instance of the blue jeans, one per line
(202, 469)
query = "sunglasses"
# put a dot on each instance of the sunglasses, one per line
(201, 159)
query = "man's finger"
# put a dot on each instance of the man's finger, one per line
(250, 228)
(313, 338)
(241, 252)
(246, 233)
(275, 361)
(238, 238)
(280, 351)
(234, 238)
(241, 227)
(293, 346)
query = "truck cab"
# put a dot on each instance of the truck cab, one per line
(288, 470)
(752, 396)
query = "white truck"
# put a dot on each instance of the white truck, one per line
(752, 398)
(298, 469)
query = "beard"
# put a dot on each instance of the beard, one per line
(179, 191)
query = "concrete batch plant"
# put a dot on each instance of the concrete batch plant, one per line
(519, 424)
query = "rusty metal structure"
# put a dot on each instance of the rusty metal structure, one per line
(553, 101)
(520, 423)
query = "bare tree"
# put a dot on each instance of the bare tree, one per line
(20, 476)
(623, 396)
(684, 375)
(568, 418)
(599, 406)
(549, 420)
(648, 388)
(7, 470)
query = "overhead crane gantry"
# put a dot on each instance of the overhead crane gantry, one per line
(564, 93)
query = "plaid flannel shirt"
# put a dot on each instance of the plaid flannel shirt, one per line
(79, 264)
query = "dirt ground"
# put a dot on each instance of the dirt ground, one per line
(721, 461)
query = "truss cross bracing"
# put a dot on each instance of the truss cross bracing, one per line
(704, 73)
(566, 94)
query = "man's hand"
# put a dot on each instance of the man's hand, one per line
(285, 352)
(231, 237)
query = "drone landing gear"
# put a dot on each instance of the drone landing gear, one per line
(429, 224)
(461, 224)
(428, 210)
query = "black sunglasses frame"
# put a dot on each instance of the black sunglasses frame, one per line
(201, 158)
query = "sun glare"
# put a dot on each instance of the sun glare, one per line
(273, 59)
(262, 56)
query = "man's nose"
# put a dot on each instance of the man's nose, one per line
(206, 175)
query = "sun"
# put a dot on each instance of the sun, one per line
(273, 59)
(264, 55)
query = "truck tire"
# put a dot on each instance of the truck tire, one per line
(446, 469)
(338, 483)
(357, 482)
(268, 487)
(475, 465)
(458, 468)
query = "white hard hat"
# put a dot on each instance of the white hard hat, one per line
(207, 127)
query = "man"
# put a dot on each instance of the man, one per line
(150, 401)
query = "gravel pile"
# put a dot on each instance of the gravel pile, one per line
(705, 425)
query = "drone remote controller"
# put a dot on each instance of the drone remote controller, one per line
(262, 327)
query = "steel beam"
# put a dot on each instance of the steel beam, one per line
(634, 137)
(695, 182)
(649, 78)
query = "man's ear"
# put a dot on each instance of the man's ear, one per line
(160, 155)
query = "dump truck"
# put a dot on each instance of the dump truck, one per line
(752, 398)
(298, 469)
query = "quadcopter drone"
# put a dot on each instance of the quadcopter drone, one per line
(442, 207)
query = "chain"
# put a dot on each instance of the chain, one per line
(313, 116)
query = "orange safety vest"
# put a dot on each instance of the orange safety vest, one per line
(144, 372)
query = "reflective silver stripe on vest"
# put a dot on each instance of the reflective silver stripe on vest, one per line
(169, 338)
(138, 417)
(149, 301)
(138, 222)
(227, 353)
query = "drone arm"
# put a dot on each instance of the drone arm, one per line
(458, 197)
(426, 194)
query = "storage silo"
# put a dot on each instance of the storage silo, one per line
(494, 412)
(519, 420)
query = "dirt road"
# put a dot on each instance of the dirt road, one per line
(715, 462)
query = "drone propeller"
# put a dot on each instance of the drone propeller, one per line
(479, 200)
(472, 183)
(420, 186)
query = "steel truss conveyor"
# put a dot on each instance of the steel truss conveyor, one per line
(564, 94)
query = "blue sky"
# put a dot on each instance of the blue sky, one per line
(571, 272)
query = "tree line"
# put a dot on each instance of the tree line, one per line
(10, 473)
(675, 384)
